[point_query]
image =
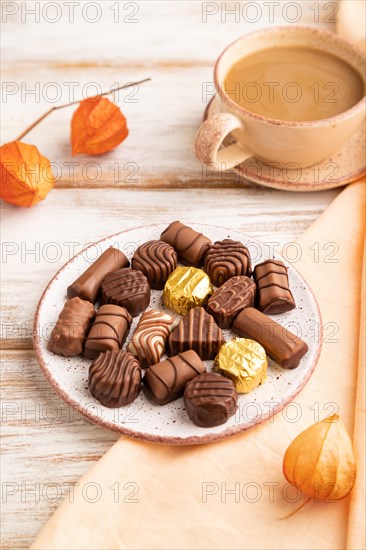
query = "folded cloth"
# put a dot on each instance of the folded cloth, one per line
(232, 494)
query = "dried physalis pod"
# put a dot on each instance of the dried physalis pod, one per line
(149, 339)
(228, 300)
(68, 335)
(157, 260)
(274, 294)
(320, 461)
(198, 331)
(226, 259)
(190, 245)
(108, 331)
(126, 288)
(115, 378)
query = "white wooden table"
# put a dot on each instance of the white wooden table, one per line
(46, 445)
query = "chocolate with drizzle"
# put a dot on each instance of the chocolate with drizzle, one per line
(109, 330)
(166, 381)
(190, 245)
(273, 291)
(226, 259)
(115, 378)
(126, 288)
(228, 300)
(157, 260)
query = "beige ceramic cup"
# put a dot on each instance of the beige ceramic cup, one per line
(269, 140)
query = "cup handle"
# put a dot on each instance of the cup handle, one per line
(209, 138)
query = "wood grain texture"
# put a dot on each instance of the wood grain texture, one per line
(152, 177)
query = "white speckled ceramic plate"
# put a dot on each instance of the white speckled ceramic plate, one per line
(169, 423)
(347, 165)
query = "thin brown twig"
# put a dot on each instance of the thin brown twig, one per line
(297, 509)
(56, 107)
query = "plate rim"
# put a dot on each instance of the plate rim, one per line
(152, 438)
(300, 187)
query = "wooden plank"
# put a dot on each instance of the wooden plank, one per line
(37, 242)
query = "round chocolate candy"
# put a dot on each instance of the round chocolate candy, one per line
(187, 287)
(210, 399)
(156, 260)
(115, 378)
(126, 288)
(226, 259)
(244, 361)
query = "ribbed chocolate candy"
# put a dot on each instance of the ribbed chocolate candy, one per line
(228, 300)
(210, 399)
(274, 294)
(226, 259)
(126, 288)
(198, 331)
(166, 381)
(68, 335)
(115, 378)
(109, 330)
(190, 245)
(150, 337)
(157, 260)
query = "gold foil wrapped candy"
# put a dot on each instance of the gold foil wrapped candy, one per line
(244, 361)
(186, 287)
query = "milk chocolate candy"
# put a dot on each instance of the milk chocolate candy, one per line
(198, 331)
(210, 399)
(190, 245)
(228, 300)
(87, 286)
(115, 378)
(283, 346)
(126, 288)
(166, 381)
(150, 337)
(68, 335)
(157, 260)
(274, 294)
(109, 330)
(226, 259)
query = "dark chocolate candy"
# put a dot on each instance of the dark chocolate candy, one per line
(210, 399)
(157, 260)
(283, 346)
(126, 288)
(226, 259)
(109, 330)
(87, 286)
(228, 300)
(115, 378)
(274, 294)
(166, 381)
(190, 245)
(68, 335)
(198, 331)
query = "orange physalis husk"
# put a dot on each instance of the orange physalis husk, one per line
(320, 461)
(97, 126)
(26, 175)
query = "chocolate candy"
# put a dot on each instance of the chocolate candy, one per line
(87, 286)
(274, 294)
(198, 331)
(166, 381)
(210, 399)
(190, 245)
(126, 288)
(280, 344)
(226, 259)
(156, 260)
(187, 287)
(244, 362)
(228, 300)
(149, 339)
(109, 330)
(115, 378)
(68, 335)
